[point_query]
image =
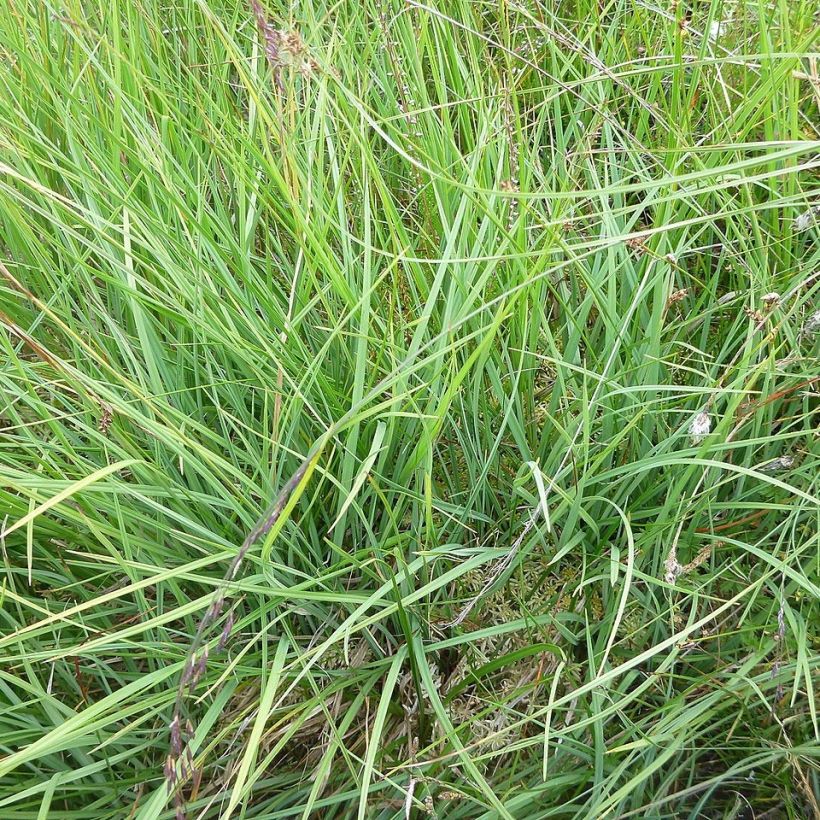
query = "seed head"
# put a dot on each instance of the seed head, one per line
(226, 632)
(201, 665)
(700, 427)
(811, 325)
(636, 243)
(105, 420)
(673, 570)
(170, 772)
(216, 607)
(716, 29)
(176, 737)
(781, 624)
(777, 465)
(187, 672)
(804, 221)
(271, 39)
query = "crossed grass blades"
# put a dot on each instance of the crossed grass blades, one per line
(506, 314)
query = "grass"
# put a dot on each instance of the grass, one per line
(420, 364)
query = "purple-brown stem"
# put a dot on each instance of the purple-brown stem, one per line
(195, 667)
(272, 40)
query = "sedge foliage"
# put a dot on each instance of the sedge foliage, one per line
(532, 286)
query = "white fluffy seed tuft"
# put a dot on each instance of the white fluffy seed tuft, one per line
(700, 427)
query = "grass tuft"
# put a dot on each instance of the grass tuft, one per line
(409, 409)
